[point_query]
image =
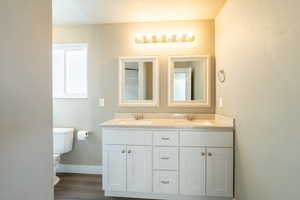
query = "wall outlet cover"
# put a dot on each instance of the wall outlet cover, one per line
(220, 102)
(101, 102)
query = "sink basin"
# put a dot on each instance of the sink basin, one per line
(136, 122)
(200, 123)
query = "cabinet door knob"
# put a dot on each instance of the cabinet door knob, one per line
(209, 154)
(129, 151)
(123, 151)
(202, 154)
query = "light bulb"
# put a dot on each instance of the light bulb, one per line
(139, 39)
(169, 37)
(149, 38)
(159, 37)
(190, 37)
(179, 37)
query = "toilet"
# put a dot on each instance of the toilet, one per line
(62, 143)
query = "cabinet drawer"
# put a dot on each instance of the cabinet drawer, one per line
(166, 138)
(165, 182)
(165, 158)
(209, 139)
(131, 137)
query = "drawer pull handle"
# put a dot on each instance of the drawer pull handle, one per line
(165, 138)
(209, 154)
(165, 182)
(165, 158)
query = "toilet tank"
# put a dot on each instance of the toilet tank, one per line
(62, 140)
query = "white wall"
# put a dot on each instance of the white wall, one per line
(258, 45)
(25, 100)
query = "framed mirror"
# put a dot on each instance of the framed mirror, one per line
(138, 81)
(189, 81)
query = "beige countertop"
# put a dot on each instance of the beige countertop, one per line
(168, 123)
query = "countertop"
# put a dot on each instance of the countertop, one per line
(168, 123)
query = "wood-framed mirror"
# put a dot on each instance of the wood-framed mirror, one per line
(189, 81)
(138, 81)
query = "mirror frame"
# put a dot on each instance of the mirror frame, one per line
(139, 103)
(192, 103)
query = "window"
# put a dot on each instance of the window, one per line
(70, 71)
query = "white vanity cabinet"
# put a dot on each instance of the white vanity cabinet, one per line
(127, 160)
(139, 168)
(206, 163)
(219, 172)
(206, 171)
(168, 163)
(192, 171)
(114, 167)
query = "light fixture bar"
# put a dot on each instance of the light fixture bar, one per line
(150, 38)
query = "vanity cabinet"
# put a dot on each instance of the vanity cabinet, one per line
(128, 168)
(127, 160)
(219, 172)
(139, 168)
(192, 171)
(206, 171)
(114, 160)
(168, 163)
(206, 163)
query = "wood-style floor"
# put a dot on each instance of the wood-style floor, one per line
(81, 187)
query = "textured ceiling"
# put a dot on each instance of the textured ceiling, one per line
(117, 11)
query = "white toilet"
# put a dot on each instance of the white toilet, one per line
(62, 143)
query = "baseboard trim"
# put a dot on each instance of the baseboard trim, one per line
(79, 169)
(160, 196)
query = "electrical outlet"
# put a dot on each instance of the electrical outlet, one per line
(101, 102)
(220, 102)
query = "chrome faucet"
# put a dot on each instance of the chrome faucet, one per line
(138, 116)
(189, 117)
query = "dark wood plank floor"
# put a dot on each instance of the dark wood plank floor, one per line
(81, 187)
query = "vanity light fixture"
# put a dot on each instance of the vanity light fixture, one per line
(150, 38)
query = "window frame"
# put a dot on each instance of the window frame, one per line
(71, 46)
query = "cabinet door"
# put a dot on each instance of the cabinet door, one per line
(114, 168)
(192, 171)
(139, 168)
(220, 172)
